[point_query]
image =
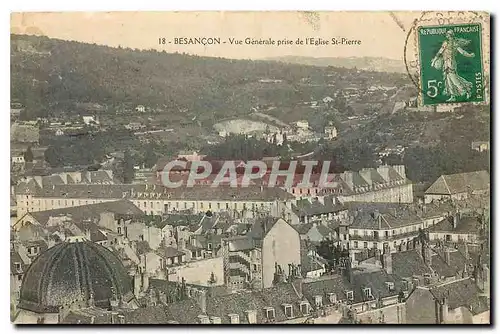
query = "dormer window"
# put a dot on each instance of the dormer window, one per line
(234, 318)
(209, 246)
(216, 320)
(332, 298)
(251, 316)
(304, 308)
(350, 295)
(269, 312)
(203, 319)
(18, 266)
(288, 310)
(367, 292)
(405, 285)
(390, 286)
(318, 301)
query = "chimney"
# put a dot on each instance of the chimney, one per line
(427, 255)
(377, 257)
(454, 219)
(349, 272)
(145, 281)
(444, 313)
(137, 284)
(91, 300)
(202, 300)
(447, 256)
(387, 262)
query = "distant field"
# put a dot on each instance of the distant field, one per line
(243, 126)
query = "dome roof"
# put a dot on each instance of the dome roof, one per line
(71, 272)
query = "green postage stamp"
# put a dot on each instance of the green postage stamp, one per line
(451, 64)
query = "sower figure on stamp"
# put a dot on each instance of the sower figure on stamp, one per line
(454, 84)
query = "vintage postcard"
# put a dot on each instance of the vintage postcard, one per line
(250, 168)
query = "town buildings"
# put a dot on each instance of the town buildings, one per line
(458, 186)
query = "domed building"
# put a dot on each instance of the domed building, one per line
(73, 275)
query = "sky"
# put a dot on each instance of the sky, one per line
(379, 33)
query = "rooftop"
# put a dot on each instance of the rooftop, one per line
(460, 183)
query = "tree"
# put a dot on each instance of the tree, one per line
(28, 155)
(128, 167)
(149, 157)
(53, 157)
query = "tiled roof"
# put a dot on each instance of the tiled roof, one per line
(169, 252)
(442, 268)
(261, 227)
(408, 263)
(460, 183)
(90, 211)
(306, 208)
(239, 303)
(376, 281)
(150, 315)
(321, 286)
(240, 243)
(465, 225)
(462, 293)
(182, 219)
(184, 311)
(16, 258)
(385, 216)
(303, 228)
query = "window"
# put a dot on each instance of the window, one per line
(355, 232)
(20, 277)
(350, 295)
(201, 205)
(18, 266)
(355, 244)
(365, 245)
(390, 286)
(150, 204)
(203, 319)
(227, 206)
(216, 320)
(368, 293)
(210, 205)
(145, 204)
(375, 245)
(209, 246)
(448, 237)
(218, 205)
(270, 313)
(235, 318)
(288, 310)
(304, 308)
(318, 300)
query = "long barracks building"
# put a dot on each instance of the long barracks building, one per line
(152, 199)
